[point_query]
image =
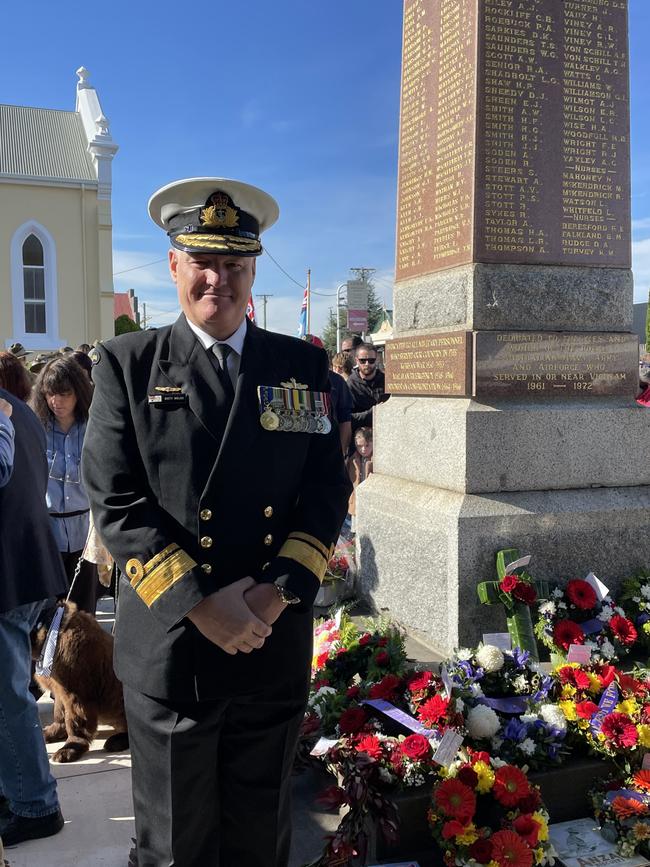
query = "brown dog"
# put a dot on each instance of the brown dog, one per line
(83, 685)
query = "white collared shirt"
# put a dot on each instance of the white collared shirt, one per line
(235, 342)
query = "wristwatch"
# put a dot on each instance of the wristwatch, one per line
(286, 596)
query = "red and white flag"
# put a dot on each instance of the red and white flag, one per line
(250, 310)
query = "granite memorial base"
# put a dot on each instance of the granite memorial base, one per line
(422, 550)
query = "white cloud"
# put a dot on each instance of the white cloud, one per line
(641, 269)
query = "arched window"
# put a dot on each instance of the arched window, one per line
(34, 293)
(34, 286)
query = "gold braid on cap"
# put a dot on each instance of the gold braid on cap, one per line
(229, 243)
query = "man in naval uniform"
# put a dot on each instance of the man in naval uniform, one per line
(216, 481)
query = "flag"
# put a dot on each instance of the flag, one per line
(250, 310)
(302, 322)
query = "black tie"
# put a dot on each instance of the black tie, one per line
(222, 351)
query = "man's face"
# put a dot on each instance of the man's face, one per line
(367, 361)
(346, 346)
(213, 290)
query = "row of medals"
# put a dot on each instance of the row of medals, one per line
(302, 421)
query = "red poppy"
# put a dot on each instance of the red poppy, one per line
(481, 851)
(586, 709)
(416, 747)
(581, 594)
(452, 828)
(508, 583)
(468, 775)
(352, 720)
(386, 688)
(433, 710)
(420, 681)
(525, 593)
(455, 799)
(369, 744)
(510, 785)
(566, 633)
(620, 730)
(623, 629)
(527, 828)
(509, 850)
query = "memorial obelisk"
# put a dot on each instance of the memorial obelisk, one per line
(512, 420)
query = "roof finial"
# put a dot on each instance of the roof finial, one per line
(101, 124)
(83, 82)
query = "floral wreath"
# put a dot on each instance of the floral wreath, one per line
(487, 812)
(622, 808)
(635, 596)
(575, 615)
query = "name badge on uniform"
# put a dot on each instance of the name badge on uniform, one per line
(167, 396)
(294, 410)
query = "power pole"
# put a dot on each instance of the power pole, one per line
(143, 318)
(264, 300)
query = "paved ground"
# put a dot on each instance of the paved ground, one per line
(95, 795)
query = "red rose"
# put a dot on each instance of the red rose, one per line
(386, 688)
(481, 851)
(527, 828)
(581, 594)
(586, 709)
(365, 639)
(468, 776)
(525, 593)
(508, 583)
(352, 720)
(623, 629)
(566, 633)
(353, 691)
(416, 747)
(382, 658)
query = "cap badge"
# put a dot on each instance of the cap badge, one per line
(219, 214)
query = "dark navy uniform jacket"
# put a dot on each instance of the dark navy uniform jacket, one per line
(30, 563)
(189, 499)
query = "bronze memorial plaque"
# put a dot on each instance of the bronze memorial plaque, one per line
(514, 134)
(430, 364)
(552, 364)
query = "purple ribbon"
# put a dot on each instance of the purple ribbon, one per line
(399, 716)
(606, 705)
(627, 793)
(516, 704)
(589, 627)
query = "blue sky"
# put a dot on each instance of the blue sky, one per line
(299, 98)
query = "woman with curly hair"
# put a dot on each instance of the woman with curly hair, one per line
(61, 399)
(14, 377)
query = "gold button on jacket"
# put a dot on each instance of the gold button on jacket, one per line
(206, 568)
(268, 512)
(268, 540)
(206, 542)
(205, 514)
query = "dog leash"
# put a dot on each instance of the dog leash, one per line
(46, 659)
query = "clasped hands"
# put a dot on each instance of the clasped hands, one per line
(239, 616)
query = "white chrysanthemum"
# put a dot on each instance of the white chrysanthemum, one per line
(558, 593)
(497, 763)
(464, 654)
(607, 649)
(548, 607)
(490, 658)
(476, 690)
(605, 615)
(529, 718)
(552, 714)
(527, 747)
(645, 590)
(321, 695)
(482, 722)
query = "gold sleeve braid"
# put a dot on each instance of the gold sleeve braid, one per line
(308, 551)
(151, 580)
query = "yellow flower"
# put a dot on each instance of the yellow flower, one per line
(539, 856)
(543, 826)
(629, 706)
(493, 864)
(595, 686)
(568, 691)
(583, 724)
(569, 710)
(485, 777)
(641, 831)
(468, 836)
(646, 627)
(644, 735)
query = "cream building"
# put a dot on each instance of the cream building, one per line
(56, 272)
